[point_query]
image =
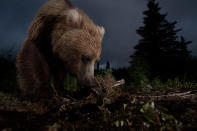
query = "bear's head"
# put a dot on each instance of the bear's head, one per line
(77, 41)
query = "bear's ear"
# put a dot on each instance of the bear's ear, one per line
(68, 3)
(73, 15)
(102, 31)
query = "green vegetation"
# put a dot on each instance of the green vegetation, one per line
(102, 73)
(70, 83)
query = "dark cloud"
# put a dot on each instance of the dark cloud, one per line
(16, 15)
(119, 17)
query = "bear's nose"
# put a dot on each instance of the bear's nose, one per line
(92, 83)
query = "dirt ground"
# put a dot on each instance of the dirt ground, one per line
(103, 108)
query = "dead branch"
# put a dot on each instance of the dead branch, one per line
(119, 83)
(171, 96)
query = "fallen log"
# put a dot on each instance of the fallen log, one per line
(189, 95)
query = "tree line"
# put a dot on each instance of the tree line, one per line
(160, 53)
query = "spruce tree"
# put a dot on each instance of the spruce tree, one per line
(159, 46)
(98, 66)
(107, 65)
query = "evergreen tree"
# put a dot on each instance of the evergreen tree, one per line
(159, 45)
(107, 65)
(98, 66)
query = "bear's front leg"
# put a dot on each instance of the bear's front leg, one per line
(33, 73)
(59, 74)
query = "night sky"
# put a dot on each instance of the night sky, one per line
(120, 18)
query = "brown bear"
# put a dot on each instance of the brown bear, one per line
(61, 39)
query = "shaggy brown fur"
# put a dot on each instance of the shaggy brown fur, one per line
(61, 39)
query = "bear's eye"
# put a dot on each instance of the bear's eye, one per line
(85, 59)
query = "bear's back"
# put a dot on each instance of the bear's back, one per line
(54, 7)
(46, 17)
